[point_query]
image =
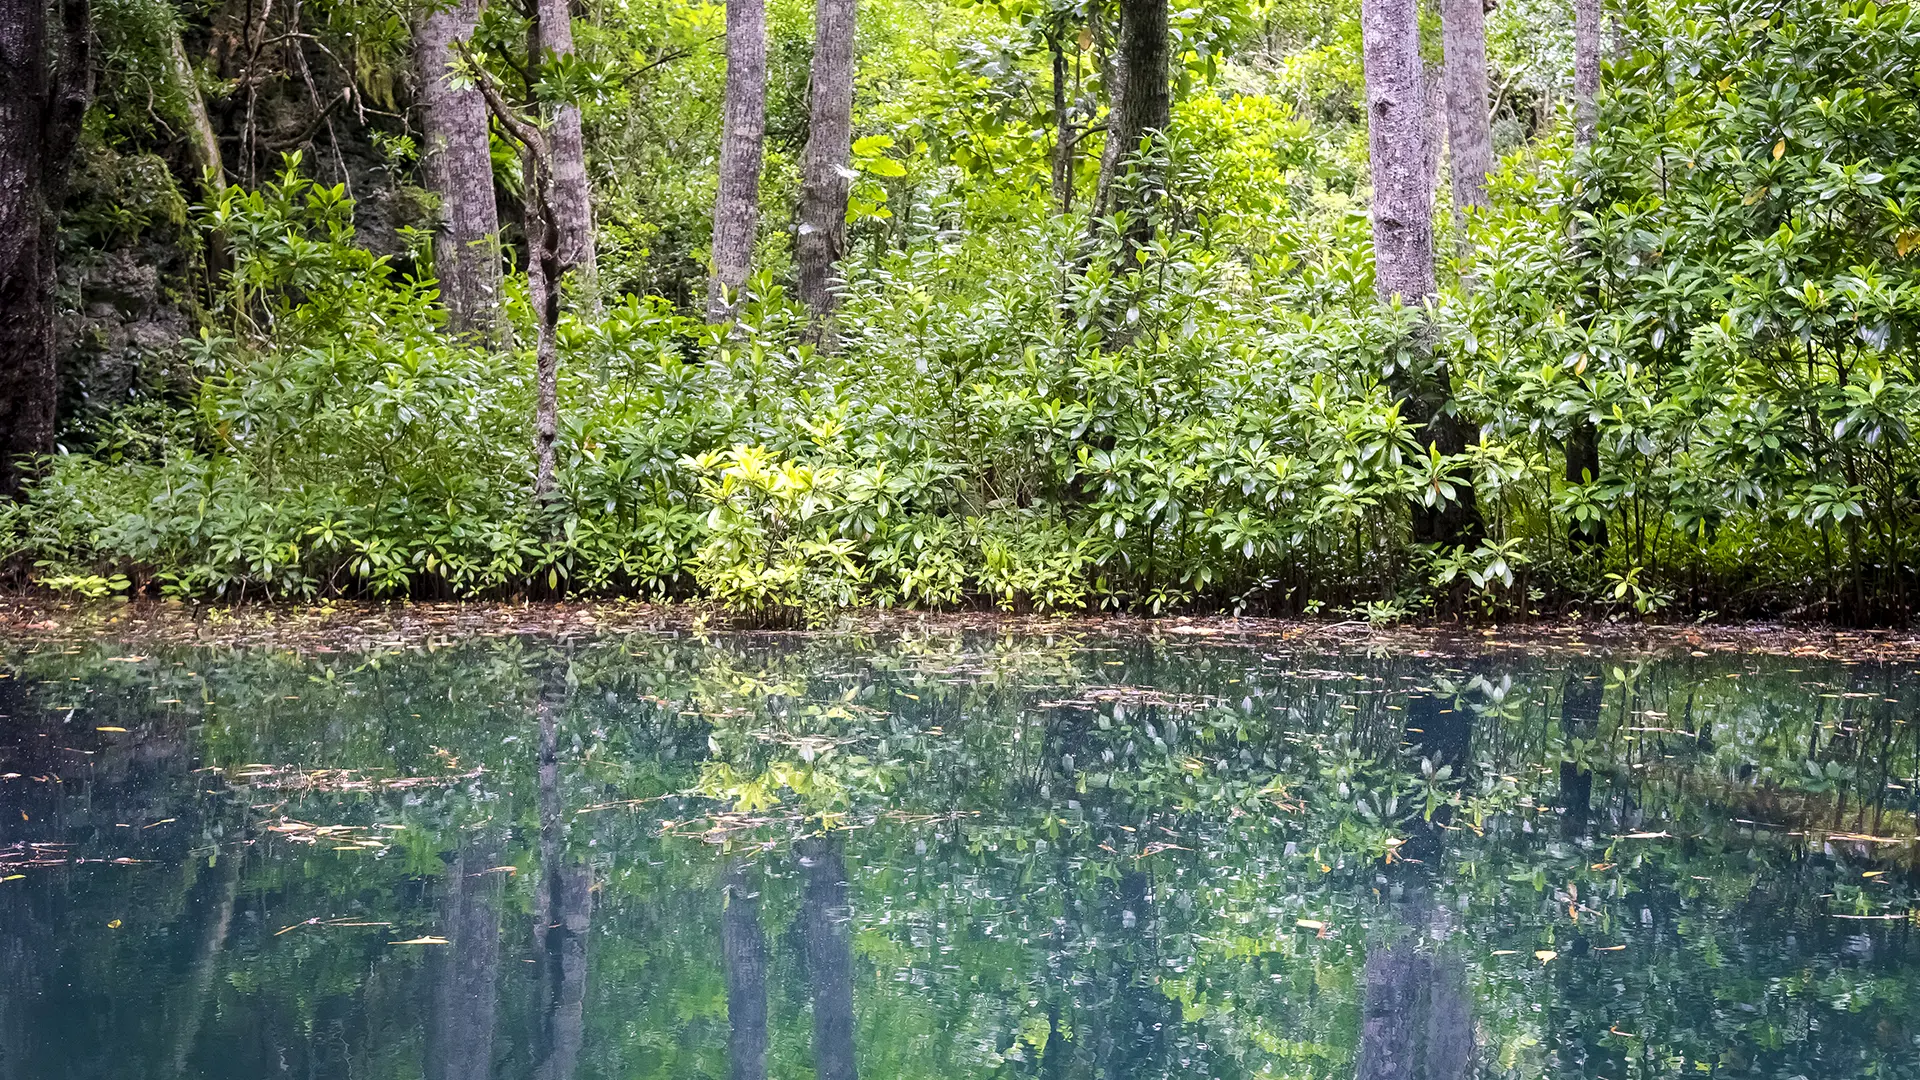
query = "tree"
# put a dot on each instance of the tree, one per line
(1141, 98)
(825, 176)
(1469, 132)
(44, 90)
(1583, 439)
(1398, 141)
(546, 268)
(743, 130)
(459, 173)
(572, 193)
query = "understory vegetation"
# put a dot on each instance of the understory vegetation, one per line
(1189, 402)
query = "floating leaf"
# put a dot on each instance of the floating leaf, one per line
(1544, 955)
(421, 941)
(109, 727)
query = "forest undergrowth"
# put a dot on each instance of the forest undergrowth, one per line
(1189, 405)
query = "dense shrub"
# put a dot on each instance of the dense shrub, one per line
(1004, 417)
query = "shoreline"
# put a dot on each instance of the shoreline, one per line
(367, 626)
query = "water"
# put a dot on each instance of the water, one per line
(949, 856)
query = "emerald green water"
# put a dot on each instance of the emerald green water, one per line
(954, 856)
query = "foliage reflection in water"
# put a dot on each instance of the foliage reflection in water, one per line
(952, 855)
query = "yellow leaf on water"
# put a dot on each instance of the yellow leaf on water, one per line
(421, 941)
(109, 728)
(1609, 948)
(1873, 873)
(1544, 955)
(1779, 148)
(1505, 952)
(114, 925)
(12, 877)
(1311, 924)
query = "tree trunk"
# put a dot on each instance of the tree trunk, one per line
(824, 182)
(1469, 128)
(1586, 70)
(743, 946)
(1142, 98)
(1583, 441)
(459, 173)
(43, 96)
(545, 274)
(572, 194)
(824, 921)
(743, 132)
(1398, 141)
(1062, 129)
(203, 146)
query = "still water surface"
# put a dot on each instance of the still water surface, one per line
(954, 856)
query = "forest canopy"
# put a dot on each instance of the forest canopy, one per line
(1378, 308)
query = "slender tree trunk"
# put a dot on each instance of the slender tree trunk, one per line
(824, 181)
(459, 173)
(43, 96)
(825, 917)
(1398, 141)
(1469, 128)
(1586, 70)
(743, 132)
(572, 193)
(203, 146)
(1062, 129)
(545, 275)
(743, 946)
(1583, 440)
(1142, 98)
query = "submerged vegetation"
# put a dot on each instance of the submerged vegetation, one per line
(1663, 361)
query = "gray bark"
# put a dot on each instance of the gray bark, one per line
(545, 275)
(1142, 95)
(1399, 142)
(743, 945)
(572, 193)
(743, 132)
(203, 146)
(459, 1043)
(44, 90)
(1586, 70)
(824, 180)
(1469, 128)
(824, 921)
(459, 172)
